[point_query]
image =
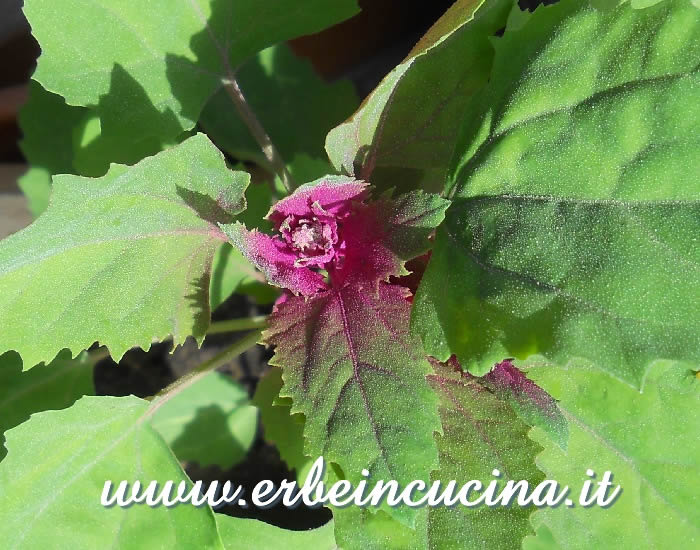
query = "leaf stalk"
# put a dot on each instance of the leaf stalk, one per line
(184, 382)
(256, 129)
(235, 325)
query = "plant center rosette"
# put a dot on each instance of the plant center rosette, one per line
(341, 331)
(311, 223)
(328, 234)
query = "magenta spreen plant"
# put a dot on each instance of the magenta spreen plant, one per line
(327, 225)
(536, 171)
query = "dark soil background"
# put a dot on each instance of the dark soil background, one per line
(363, 49)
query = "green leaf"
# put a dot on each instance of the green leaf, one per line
(480, 433)
(54, 386)
(48, 125)
(210, 422)
(282, 428)
(351, 367)
(250, 534)
(148, 72)
(36, 186)
(295, 106)
(123, 259)
(648, 440)
(529, 402)
(572, 231)
(63, 139)
(57, 465)
(94, 151)
(230, 270)
(403, 135)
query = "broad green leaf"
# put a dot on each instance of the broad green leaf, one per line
(35, 183)
(57, 463)
(295, 106)
(93, 151)
(480, 433)
(54, 386)
(250, 534)
(648, 440)
(149, 68)
(48, 125)
(123, 259)
(229, 272)
(280, 427)
(351, 367)
(63, 139)
(403, 135)
(210, 422)
(576, 202)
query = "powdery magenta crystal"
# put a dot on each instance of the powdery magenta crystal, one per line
(311, 236)
(329, 234)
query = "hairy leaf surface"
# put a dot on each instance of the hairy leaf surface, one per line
(480, 433)
(149, 68)
(210, 422)
(576, 202)
(56, 467)
(531, 403)
(404, 133)
(64, 139)
(123, 259)
(352, 368)
(358, 244)
(343, 342)
(54, 386)
(648, 440)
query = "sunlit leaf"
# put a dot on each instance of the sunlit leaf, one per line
(57, 464)
(572, 233)
(123, 259)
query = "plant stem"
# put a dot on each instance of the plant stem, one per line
(184, 382)
(251, 121)
(234, 325)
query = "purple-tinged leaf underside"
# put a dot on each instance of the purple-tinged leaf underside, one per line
(531, 403)
(480, 432)
(352, 368)
(349, 363)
